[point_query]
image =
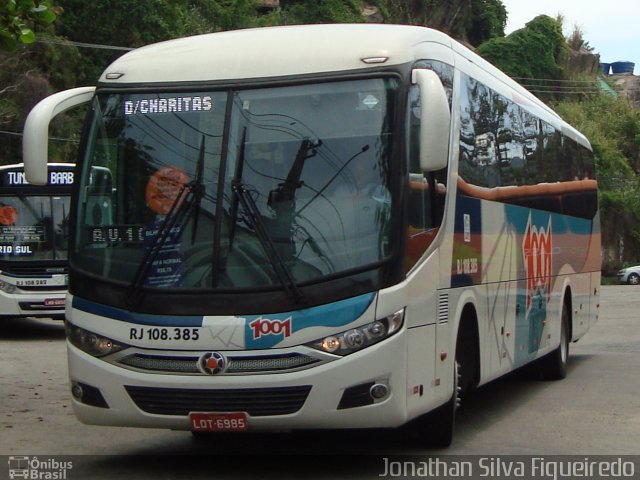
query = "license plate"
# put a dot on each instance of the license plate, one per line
(54, 302)
(219, 422)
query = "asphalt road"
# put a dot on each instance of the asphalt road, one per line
(594, 411)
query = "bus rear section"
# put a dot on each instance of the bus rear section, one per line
(34, 236)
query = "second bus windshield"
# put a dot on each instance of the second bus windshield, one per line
(34, 227)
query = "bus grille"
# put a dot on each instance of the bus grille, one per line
(51, 288)
(237, 364)
(29, 270)
(257, 402)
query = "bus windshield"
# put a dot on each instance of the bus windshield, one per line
(237, 189)
(34, 227)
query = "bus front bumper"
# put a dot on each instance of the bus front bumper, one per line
(333, 395)
(42, 304)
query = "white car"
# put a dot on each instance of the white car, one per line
(630, 275)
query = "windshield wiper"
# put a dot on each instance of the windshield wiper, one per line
(255, 221)
(285, 192)
(198, 190)
(186, 202)
(237, 176)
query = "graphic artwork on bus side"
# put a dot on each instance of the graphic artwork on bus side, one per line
(537, 256)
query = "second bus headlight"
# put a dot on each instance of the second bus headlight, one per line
(355, 339)
(7, 287)
(91, 343)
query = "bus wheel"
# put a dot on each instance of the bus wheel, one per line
(553, 366)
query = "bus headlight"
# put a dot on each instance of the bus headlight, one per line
(7, 287)
(90, 342)
(358, 338)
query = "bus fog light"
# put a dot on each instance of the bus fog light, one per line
(379, 391)
(76, 391)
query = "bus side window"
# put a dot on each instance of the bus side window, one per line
(425, 208)
(426, 202)
(419, 212)
(426, 192)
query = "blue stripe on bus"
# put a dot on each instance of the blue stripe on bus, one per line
(334, 314)
(137, 318)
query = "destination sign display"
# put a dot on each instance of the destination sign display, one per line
(17, 178)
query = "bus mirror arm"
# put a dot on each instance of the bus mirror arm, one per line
(35, 142)
(435, 120)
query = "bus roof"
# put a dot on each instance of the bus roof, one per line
(283, 51)
(270, 52)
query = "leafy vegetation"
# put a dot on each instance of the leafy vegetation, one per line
(534, 52)
(320, 11)
(473, 21)
(18, 19)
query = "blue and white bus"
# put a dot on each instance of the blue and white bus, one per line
(328, 226)
(34, 239)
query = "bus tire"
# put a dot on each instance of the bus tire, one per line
(467, 353)
(553, 366)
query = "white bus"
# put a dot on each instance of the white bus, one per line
(34, 238)
(304, 234)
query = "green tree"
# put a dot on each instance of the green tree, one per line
(28, 74)
(124, 24)
(320, 11)
(474, 21)
(19, 19)
(134, 23)
(488, 20)
(535, 51)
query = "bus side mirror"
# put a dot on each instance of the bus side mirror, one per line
(35, 140)
(435, 120)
